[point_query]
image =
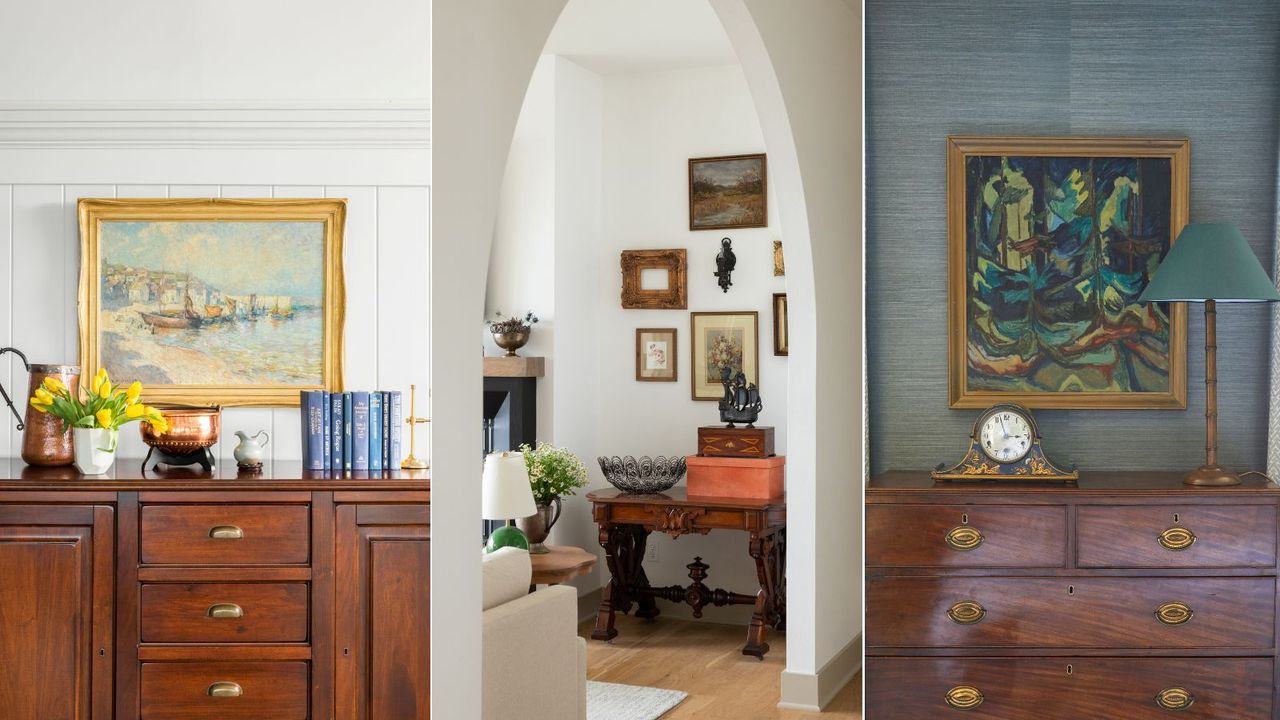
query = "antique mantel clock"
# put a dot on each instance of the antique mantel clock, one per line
(1005, 445)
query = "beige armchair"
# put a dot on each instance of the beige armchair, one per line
(534, 663)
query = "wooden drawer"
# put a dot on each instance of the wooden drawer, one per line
(225, 534)
(1069, 688)
(182, 691)
(941, 536)
(1174, 536)
(224, 612)
(1083, 612)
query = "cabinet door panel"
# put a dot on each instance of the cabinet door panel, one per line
(383, 643)
(55, 610)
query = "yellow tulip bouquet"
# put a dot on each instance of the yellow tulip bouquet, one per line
(106, 406)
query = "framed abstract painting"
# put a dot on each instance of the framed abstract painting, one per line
(214, 301)
(1050, 243)
(722, 340)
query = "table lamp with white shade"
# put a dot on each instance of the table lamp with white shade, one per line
(506, 495)
(1210, 263)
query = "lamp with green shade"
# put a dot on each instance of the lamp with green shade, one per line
(1210, 263)
(505, 494)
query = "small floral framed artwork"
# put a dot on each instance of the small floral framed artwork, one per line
(656, 355)
(723, 340)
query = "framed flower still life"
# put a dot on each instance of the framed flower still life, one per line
(656, 356)
(723, 340)
(1051, 242)
(214, 301)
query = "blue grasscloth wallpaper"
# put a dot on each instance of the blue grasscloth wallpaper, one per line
(1209, 71)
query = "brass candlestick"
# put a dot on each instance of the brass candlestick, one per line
(413, 421)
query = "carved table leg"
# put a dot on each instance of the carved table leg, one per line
(762, 549)
(636, 579)
(778, 561)
(624, 554)
(614, 594)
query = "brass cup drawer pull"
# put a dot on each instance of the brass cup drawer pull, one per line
(964, 697)
(1174, 613)
(226, 532)
(225, 611)
(1175, 698)
(966, 612)
(225, 689)
(964, 538)
(1177, 538)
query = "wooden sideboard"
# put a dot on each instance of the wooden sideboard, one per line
(1127, 595)
(291, 595)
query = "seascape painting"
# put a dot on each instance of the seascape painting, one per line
(1057, 250)
(214, 301)
(728, 192)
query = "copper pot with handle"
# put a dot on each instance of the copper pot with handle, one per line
(45, 441)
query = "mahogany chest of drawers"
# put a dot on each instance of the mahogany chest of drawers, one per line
(1126, 595)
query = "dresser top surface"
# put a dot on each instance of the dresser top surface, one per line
(1093, 482)
(127, 475)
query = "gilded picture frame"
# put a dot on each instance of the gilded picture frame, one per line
(261, 281)
(721, 339)
(673, 262)
(1039, 220)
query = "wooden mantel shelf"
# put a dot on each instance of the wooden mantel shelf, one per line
(519, 366)
(127, 475)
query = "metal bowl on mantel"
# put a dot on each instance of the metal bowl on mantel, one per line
(190, 429)
(642, 476)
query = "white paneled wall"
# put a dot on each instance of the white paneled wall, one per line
(387, 274)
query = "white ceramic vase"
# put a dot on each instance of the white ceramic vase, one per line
(95, 449)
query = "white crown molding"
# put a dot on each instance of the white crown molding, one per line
(195, 124)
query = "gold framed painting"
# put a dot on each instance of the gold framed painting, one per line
(722, 340)
(214, 301)
(656, 355)
(728, 192)
(781, 329)
(1050, 243)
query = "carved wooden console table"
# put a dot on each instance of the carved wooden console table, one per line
(625, 524)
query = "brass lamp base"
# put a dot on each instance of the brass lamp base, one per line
(1214, 475)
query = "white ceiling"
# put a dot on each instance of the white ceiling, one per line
(611, 37)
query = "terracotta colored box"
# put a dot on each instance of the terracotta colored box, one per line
(757, 478)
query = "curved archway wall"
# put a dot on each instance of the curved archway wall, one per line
(487, 50)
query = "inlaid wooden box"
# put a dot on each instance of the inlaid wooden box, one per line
(758, 478)
(748, 442)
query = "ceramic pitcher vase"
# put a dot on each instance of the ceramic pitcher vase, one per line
(44, 443)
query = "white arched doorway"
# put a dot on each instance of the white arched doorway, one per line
(485, 52)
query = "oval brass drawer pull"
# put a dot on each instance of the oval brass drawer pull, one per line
(225, 689)
(964, 538)
(1177, 538)
(223, 611)
(226, 532)
(966, 612)
(1175, 698)
(964, 697)
(1174, 613)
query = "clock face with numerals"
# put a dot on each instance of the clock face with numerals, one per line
(1005, 435)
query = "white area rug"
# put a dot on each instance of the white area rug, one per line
(610, 701)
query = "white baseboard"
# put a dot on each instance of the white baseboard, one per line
(812, 693)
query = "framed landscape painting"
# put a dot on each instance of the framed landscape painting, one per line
(728, 192)
(1051, 241)
(723, 340)
(213, 301)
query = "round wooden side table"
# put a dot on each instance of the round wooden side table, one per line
(562, 563)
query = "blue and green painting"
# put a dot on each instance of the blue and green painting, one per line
(1057, 251)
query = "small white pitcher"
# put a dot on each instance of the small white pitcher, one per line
(95, 449)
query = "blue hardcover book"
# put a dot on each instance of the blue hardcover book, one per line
(360, 431)
(396, 423)
(335, 429)
(375, 431)
(327, 431)
(386, 431)
(312, 407)
(348, 452)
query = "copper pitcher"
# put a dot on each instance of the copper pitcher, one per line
(44, 442)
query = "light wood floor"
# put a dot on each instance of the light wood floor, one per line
(706, 661)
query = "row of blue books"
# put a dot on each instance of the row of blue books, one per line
(351, 430)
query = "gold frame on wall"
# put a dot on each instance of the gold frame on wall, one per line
(1178, 151)
(713, 391)
(332, 212)
(673, 356)
(675, 296)
(764, 191)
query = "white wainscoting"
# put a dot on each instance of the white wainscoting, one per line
(387, 253)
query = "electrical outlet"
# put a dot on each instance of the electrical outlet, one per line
(651, 553)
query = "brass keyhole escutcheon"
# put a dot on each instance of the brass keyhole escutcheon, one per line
(1175, 698)
(966, 612)
(964, 538)
(1177, 538)
(1174, 613)
(964, 697)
